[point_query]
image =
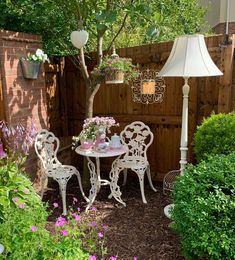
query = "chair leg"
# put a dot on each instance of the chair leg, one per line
(42, 186)
(150, 179)
(141, 180)
(80, 186)
(63, 185)
(124, 177)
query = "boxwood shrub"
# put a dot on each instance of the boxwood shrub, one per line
(204, 212)
(216, 135)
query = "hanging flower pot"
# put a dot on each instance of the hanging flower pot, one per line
(115, 70)
(114, 76)
(31, 64)
(30, 68)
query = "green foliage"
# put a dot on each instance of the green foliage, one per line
(204, 211)
(216, 135)
(16, 189)
(16, 235)
(147, 21)
(23, 225)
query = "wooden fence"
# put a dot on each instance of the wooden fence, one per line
(66, 99)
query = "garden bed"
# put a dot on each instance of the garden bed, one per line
(138, 230)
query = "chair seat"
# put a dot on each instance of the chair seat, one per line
(133, 163)
(62, 171)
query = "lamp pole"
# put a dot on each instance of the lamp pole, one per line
(184, 127)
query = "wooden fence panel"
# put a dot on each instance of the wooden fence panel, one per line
(206, 95)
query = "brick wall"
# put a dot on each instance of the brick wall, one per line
(221, 28)
(22, 100)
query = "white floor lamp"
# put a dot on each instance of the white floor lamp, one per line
(189, 57)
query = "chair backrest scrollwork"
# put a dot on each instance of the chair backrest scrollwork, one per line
(138, 137)
(46, 147)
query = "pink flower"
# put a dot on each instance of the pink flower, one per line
(75, 200)
(92, 257)
(56, 205)
(60, 222)
(78, 209)
(22, 205)
(34, 228)
(135, 258)
(64, 233)
(77, 218)
(113, 258)
(26, 191)
(93, 224)
(93, 209)
(15, 190)
(100, 235)
(15, 199)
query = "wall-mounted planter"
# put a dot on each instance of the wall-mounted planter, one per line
(30, 69)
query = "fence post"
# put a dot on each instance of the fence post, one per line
(225, 89)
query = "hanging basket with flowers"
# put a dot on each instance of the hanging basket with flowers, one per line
(115, 70)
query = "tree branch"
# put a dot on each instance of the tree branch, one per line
(118, 32)
(84, 70)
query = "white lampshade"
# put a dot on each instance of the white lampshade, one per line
(189, 57)
(79, 38)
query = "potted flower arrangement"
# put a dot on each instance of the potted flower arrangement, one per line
(94, 131)
(115, 70)
(31, 64)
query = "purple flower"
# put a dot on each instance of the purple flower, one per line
(92, 257)
(64, 232)
(93, 224)
(34, 228)
(100, 235)
(22, 205)
(15, 199)
(135, 258)
(113, 258)
(105, 228)
(78, 209)
(56, 205)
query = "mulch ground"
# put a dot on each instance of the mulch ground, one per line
(138, 229)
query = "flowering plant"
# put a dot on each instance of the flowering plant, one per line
(39, 56)
(92, 127)
(18, 140)
(110, 63)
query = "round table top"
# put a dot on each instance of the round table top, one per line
(108, 153)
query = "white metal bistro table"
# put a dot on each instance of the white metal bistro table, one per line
(94, 169)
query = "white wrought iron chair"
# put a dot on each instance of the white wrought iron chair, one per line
(46, 146)
(137, 137)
